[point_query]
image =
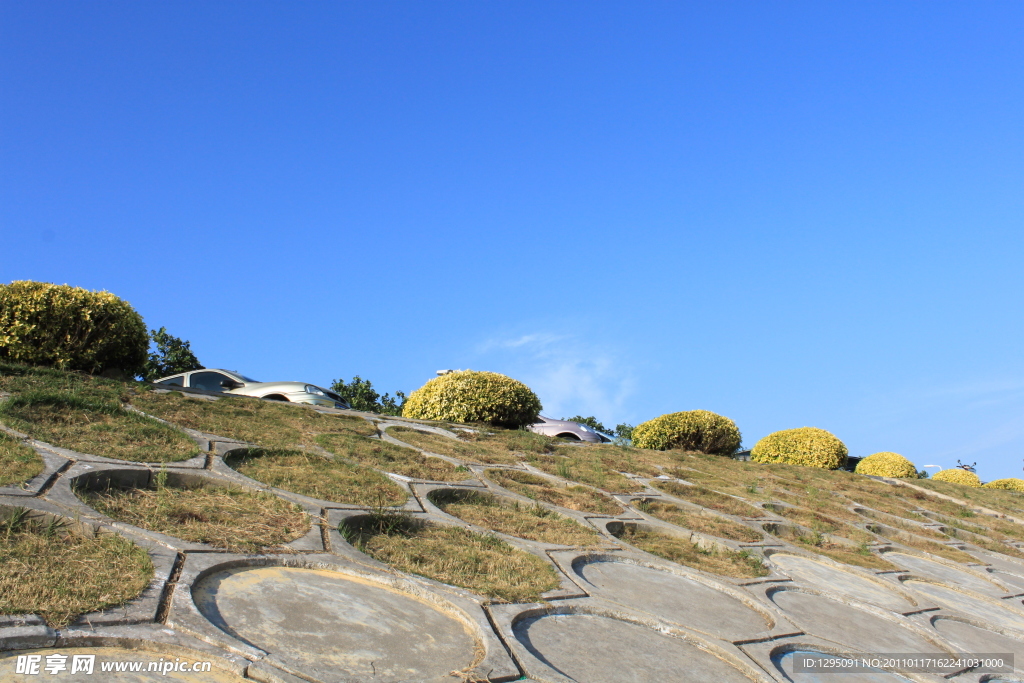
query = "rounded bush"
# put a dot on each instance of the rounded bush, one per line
(692, 430)
(958, 476)
(470, 396)
(70, 328)
(808, 446)
(887, 464)
(1006, 484)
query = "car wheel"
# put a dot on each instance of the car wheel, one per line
(276, 397)
(570, 436)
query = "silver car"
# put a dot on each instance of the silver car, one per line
(229, 382)
(573, 431)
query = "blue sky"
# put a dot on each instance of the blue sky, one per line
(793, 214)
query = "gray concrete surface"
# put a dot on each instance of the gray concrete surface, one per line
(845, 582)
(856, 628)
(324, 612)
(320, 620)
(675, 598)
(577, 646)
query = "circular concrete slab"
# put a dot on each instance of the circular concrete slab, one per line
(332, 625)
(944, 573)
(841, 623)
(674, 598)
(784, 663)
(996, 614)
(973, 639)
(78, 659)
(590, 648)
(827, 578)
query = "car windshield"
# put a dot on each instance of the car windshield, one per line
(244, 378)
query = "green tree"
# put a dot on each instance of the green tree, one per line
(591, 422)
(624, 431)
(360, 394)
(172, 356)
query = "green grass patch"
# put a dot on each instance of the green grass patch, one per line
(532, 522)
(707, 498)
(740, 565)
(59, 575)
(702, 523)
(18, 462)
(271, 424)
(317, 476)
(481, 563)
(234, 519)
(89, 425)
(391, 458)
(488, 445)
(579, 498)
(18, 379)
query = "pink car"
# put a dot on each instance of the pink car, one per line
(563, 429)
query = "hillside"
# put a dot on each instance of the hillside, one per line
(244, 532)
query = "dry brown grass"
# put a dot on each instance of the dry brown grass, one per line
(587, 465)
(914, 541)
(702, 523)
(58, 575)
(95, 427)
(391, 458)
(1000, 500)
(702, 478)
(816, 543)
(908, 525)
(488, 445)
(317, 476)
(708, 498)
(234, 519)
(18, 462)
(578, 498)
(741, 565)
(532, 522)
(481, 563)
(271, 424)
(822, 524)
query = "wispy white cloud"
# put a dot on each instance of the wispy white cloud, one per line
(570, 375)
(537, 341)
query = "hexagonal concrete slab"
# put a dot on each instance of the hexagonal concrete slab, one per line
(992, 612)
(848, 625)
(674, 598)
(580, 646)
(945, 573)
(335, 626)
(845, 583)
(973, 639)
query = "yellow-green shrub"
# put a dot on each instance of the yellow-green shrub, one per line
(70, 328)
(692, 430)
(469, 396)
(808, 446)
(958, 476)
(1007, 484)
(887, 464)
